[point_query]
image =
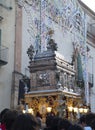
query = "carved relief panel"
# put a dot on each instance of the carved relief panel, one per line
(43, 80)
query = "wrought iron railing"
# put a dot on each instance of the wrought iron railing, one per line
(90, 79)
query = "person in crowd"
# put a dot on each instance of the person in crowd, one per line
(55, 122)
(89, 117)
(75, 127)
(3, 112)
(49, 119)
(39, 120)
(85, 120)
(82, 121)
(64, 124)
(25, 121)
(39, 115)
(93, 124)
(9, 118)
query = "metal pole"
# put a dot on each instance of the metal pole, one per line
(86, 64)
(86, 82)
(92, 69)
(40, 22)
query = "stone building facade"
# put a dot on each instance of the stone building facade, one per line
(7, 43)
(69, 23)
(67, 28)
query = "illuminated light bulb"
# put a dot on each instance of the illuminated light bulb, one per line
(23, 111)
(81, 110)
(85, 110)
(49, 109)
(70, 108)
(76, 109)
(30, 110)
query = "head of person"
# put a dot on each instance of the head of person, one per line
(25, 121)
(2, 113)
(9, 118)
(82, 120)
(49, 119)
(54, 123)
(89, 118)
(64, 124)
(93, 124)
(38, 115)
(76, 127)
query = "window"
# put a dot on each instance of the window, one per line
(0, 43)
(0, 37)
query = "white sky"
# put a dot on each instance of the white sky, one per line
(90, 4)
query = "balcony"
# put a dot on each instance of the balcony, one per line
(90, 79)
(1, 18)
(3, 55)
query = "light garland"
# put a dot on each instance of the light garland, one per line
(76, 109)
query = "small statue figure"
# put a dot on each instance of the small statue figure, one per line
(30, 52)
(52, 45)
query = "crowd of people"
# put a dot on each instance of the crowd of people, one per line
(16, 120)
